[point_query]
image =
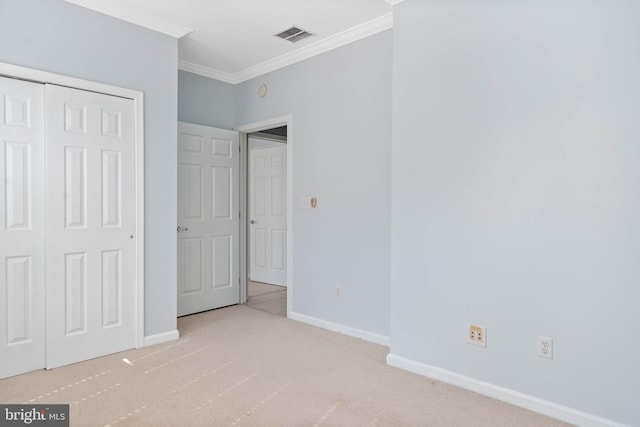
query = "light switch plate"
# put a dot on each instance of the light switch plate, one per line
(306, 202)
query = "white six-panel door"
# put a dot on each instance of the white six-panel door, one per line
(208, 218)
(22, 287)
(90, 225)
(268, 215)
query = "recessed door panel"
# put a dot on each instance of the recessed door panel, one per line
(221, 192)
(260, 252)
(17, 110)
(221, 147)
(260, 195)
(278, 195)
(222, 256)
(191, 191)
(75, 291)
(17, 175)
(191, 143)
(278, 161)
(75, 118)
(111, 288)
(278, 249)
(75, 191)
(111, 123)
(19, 299)
(191, 265)
(111, 194)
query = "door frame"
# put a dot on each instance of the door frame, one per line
(44, 77)
(244, 131)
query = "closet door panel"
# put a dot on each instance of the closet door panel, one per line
(22, 287)
(90, 216)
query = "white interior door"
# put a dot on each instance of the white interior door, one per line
(22, 287)
(208, 218)
(90, 228)
(268, 215)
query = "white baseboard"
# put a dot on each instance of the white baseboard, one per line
(160, 338)
(526, 401)
(345, 330)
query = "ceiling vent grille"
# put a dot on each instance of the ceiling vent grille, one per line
(294, 34)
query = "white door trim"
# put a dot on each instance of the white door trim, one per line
(38, 76)
(244, 130)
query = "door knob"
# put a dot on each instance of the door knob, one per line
(253, 221)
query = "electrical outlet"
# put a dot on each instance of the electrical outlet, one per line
(545, 347)
(338, 291)
(477, 335)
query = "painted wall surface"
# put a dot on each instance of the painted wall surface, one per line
(341, 139)
(59, 37)
(205, 101)
(516, 163)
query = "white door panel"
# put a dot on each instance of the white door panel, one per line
(208, 218)
(90, 225)
(268, 215)
(22, 286)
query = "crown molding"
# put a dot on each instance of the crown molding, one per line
(134, 16)
(394, 2)
(358, 32)
(207, 72)
(321, 46)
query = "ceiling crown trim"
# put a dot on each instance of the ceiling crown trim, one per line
(394, 2)
(134, 17)
(206, 71)
(326, 44)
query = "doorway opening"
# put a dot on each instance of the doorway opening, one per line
(266, 221)
(267, 215)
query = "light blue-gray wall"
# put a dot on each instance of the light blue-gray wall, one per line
(341, 107)
(204, 101)
(516, 165)
(59, 37)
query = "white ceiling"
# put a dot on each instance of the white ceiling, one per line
(233, 40)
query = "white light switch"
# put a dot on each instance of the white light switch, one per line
(307, 202)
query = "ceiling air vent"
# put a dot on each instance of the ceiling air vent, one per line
(294, 34)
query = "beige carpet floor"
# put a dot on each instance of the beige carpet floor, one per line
(242, 367)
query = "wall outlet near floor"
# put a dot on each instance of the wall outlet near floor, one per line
(338, 291)
(545, 347)
(477, 335)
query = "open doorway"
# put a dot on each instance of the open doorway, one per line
(267, 220)
(266, 188)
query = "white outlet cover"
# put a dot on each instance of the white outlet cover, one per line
(479, 342)
(305, 202)
(545, 347)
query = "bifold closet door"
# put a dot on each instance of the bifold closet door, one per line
(90, 225)
(22, 290)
